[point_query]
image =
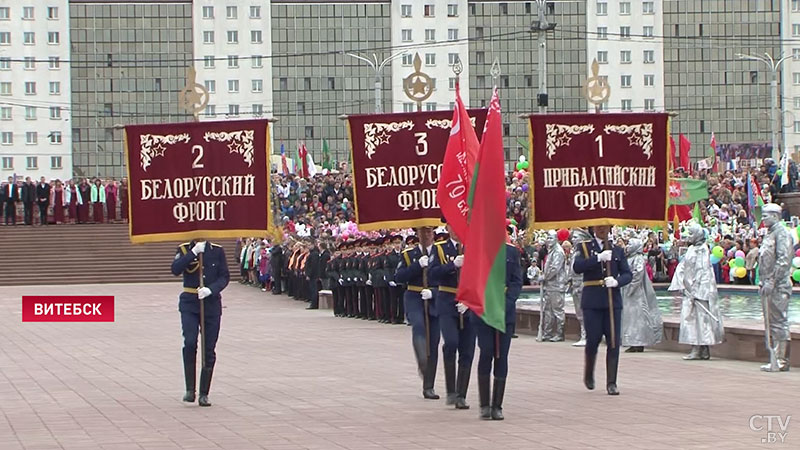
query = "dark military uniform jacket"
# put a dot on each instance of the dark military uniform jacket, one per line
(215, 277)
(595, 294)
(444, 274)
(410, 272)
(513, 282)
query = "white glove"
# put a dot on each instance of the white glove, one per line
(458, 261)
(426, 294)
(604, 256)
(462, 308)
(610, 282)
(423, 262)
(341, 282)
(369, 282)
(392, 284)
(203, 292)
(198, 248)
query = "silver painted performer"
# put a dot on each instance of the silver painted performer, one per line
(774, 266)
(642, 325)
(554, 288)
(576, 280)
(701, 321)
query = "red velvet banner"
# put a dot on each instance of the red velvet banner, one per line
(599, 169)
(198, 180)
(397, 159)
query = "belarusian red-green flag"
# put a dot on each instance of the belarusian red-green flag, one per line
(696, 214)
(326, 156)
(483, 276)
(685, 191)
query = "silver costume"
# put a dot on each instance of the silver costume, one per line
(641, 319)
(576, 280)
(554, 288)
(701, 321)
(774, 267)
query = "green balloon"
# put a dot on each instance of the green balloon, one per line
(525, 164)
(779, 173)
(731, 263)
(519, 166)
(739, 261)
(718, 251)
(796, 275)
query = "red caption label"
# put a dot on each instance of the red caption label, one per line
(67, 308)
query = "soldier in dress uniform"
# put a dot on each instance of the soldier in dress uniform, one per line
(215, 279)
(454, 318)
(395, 289)
(377, 279)
(495, 345)
(419, 305)
(605, 270)
(276, 261)
(334, 274)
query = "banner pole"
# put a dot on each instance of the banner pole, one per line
(202, 313)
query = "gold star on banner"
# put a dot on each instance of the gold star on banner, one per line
(159, 150)
(233, 147)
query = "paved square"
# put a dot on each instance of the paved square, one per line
(287, 378)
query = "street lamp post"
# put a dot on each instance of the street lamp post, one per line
(541, 27)
(377, 66)
(773, 66)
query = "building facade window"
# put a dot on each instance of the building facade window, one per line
(29, 63)
(452, 34)
(257, 61)
(232, 12)
(624, 8)
(625, 56)
(233, 61)
(649, 57)
(32, 162)
(55, 162)
(6, 138)
(650, 104)
(428, 11)
(430, 59)
(233, 110)
(55, 137)
(54, 62)
(233, 86)
(647, 31)
(55, 112)
(208, 37)
(210, 111)
(648, 8)
(405, 10)
(452, 10)
(5, 63)
(211, 86)
(53, 37)
(625, 81)
(602, 57)
(31, 137)
(255, 12)
(407, 59)
(233, 37)
(5, 88)
(5, 113)
(258, 85)
(5, 38)
(8, 162)
(258, 110)
(602, 8)
(30, 88)
(29, 38)
(52, 12)
(430, 35)
(309, 131)
(255, 37)
(649, 80)
(208, 12)
(5, 13)
(27, 13)
(55, 88)
(30, 113)
(602, 33)
(625, 32)
(208, 62)
(627, 105)
(452, 58)
(405, 35)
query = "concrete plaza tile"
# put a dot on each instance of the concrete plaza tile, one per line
(287, 378)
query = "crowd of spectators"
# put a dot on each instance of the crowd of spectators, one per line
(46, 202)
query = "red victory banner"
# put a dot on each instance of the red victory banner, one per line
(198, 180)
(599, 169)
(397, 161)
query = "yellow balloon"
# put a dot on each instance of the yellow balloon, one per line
(740, 272)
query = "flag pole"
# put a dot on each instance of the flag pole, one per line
(495, 73)
(457, 69)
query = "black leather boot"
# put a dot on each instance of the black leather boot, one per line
(190, 374)
(497, 398)
(419, 353)
(462, 384)
(612, 362)
(428, 381)
(588, 370)
(450, 381)
(484, 393)
(205, 385)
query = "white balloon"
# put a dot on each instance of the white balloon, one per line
(522, 158)
(796, 262)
